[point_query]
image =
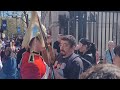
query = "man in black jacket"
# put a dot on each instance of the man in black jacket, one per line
(73, 66)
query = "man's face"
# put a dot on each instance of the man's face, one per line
(38, 45)
(13, 43)
(111, 45)
(7, 51)
(65, 48)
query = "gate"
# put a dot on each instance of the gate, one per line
(103, 27)
(98, 26)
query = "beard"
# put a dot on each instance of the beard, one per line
(62, 52)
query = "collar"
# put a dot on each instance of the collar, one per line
(35, 52)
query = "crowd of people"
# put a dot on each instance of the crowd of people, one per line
(72, 60)
(89, 57)
(8, 57)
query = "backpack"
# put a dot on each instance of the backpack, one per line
(86, 63)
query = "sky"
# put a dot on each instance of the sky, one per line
(19, 13)
(5, 13)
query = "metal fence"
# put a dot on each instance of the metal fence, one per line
(98, 26)
(103, 27)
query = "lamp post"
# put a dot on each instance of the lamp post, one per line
(16, 22)
(77, 29)
(68, 25)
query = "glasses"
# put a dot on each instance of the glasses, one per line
(64, 45)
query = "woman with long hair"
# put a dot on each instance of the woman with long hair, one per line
(87, 50)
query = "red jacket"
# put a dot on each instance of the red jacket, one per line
(32, 70)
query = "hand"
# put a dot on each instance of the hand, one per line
(55, 64)
(57, 75)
